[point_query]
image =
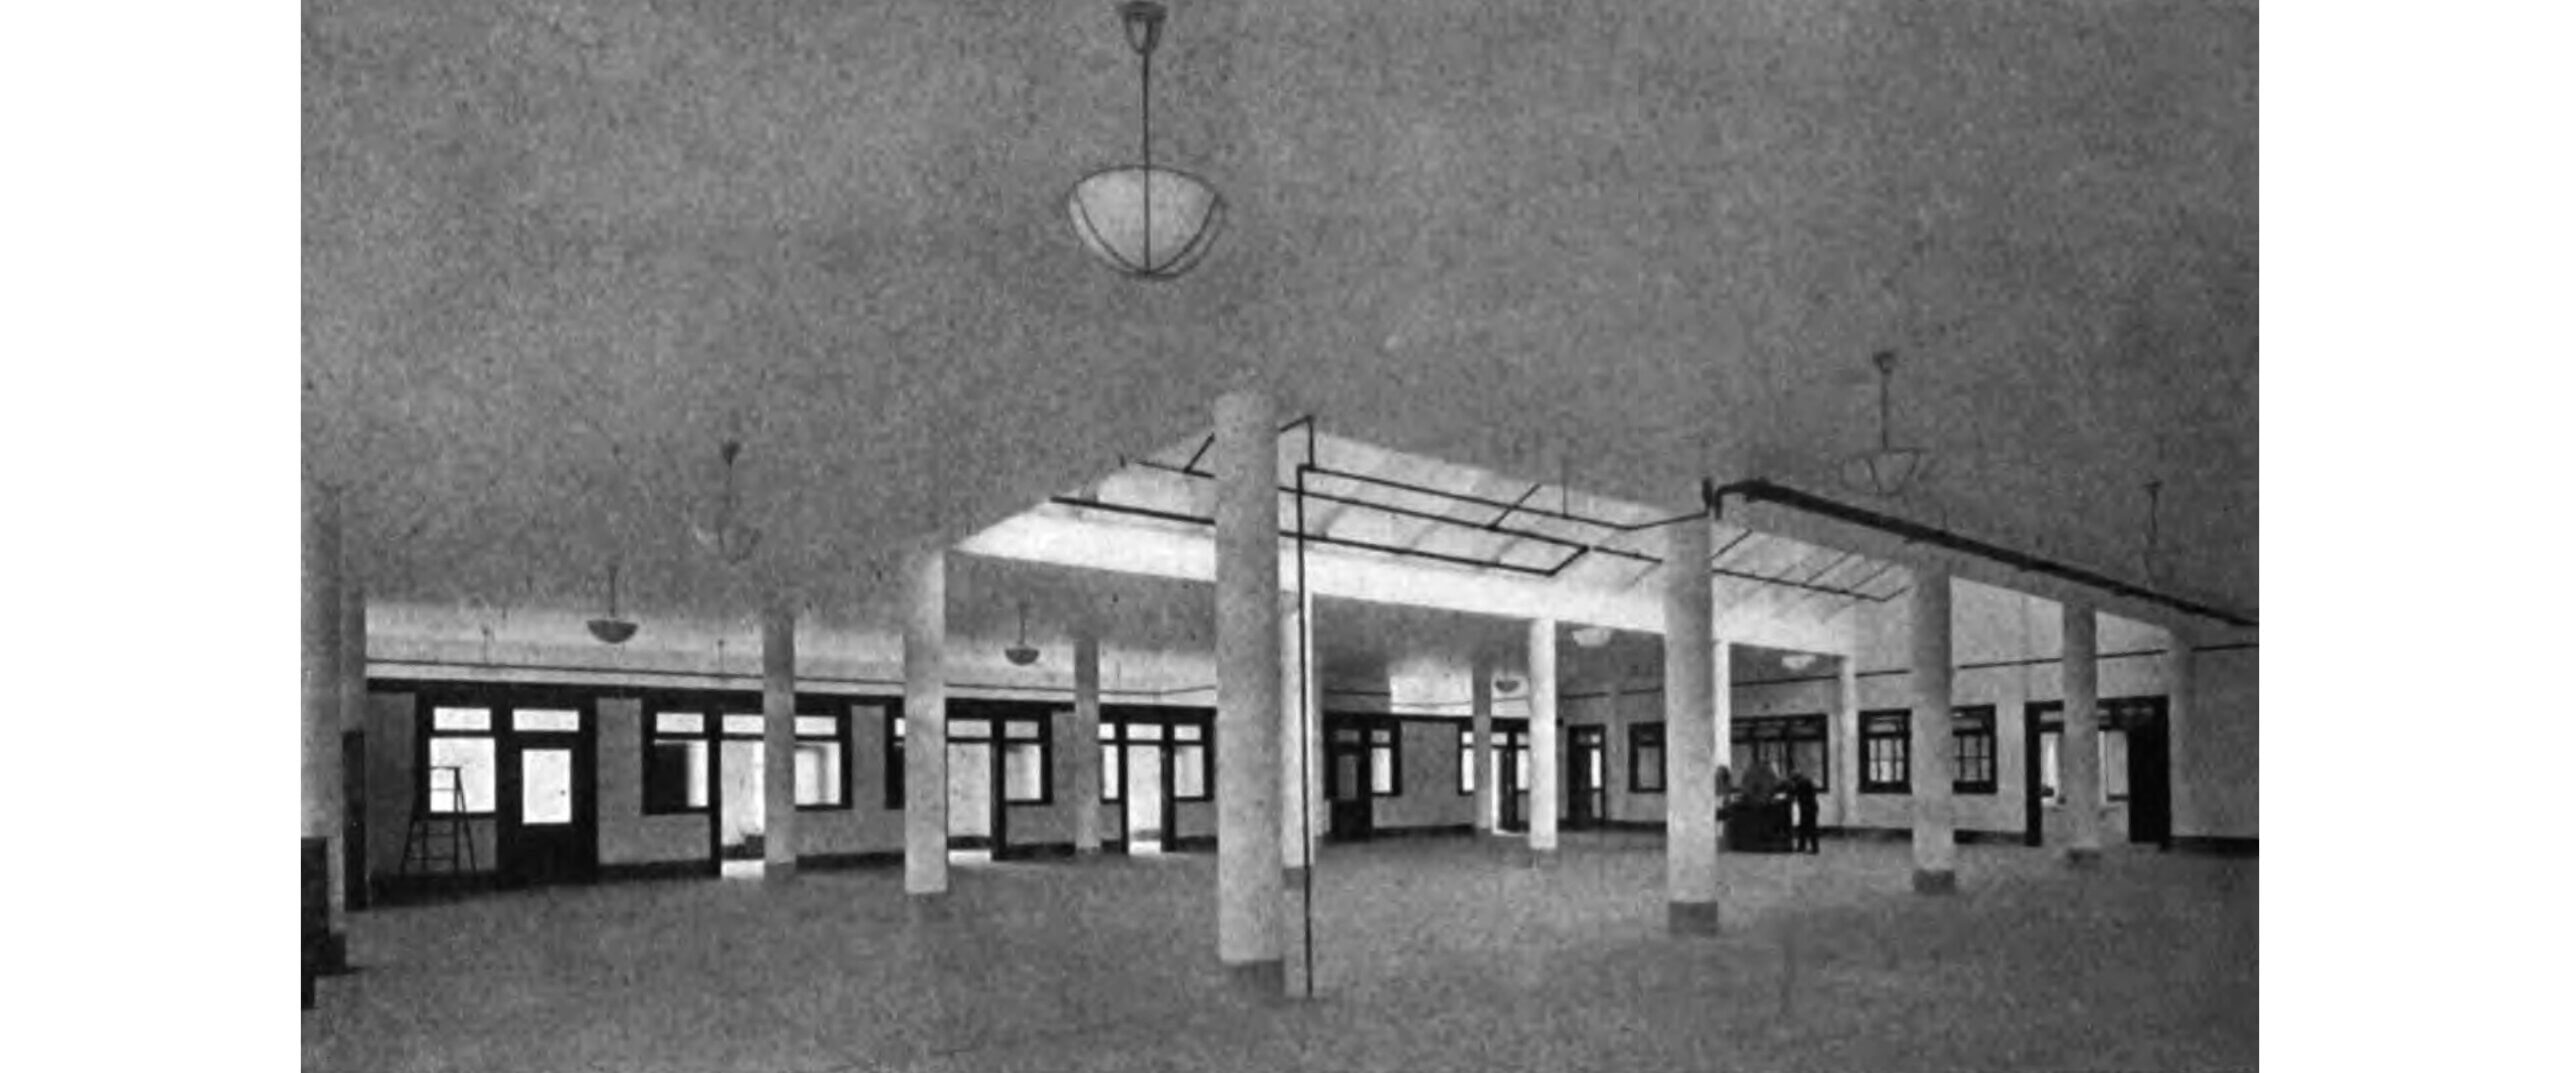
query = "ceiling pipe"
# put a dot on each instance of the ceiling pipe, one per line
(1759, 490)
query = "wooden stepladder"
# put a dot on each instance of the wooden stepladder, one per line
(439, 841)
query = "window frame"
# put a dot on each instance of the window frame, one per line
(836, 713)
(650, 736)
(500, 715)
(1044, 730)
(1467, 760)
(1394, 745)
(1785, 732)
(1869, 736)
(1985, 730)
(1641, 736)
(1173, 746)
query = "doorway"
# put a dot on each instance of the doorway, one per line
(2143, 726)
(2042, 724)
(976, 766)
(1348, 812)
(546, 798)
(1146, 815)
(1586, 783)
(741, 771)
(1511, 770)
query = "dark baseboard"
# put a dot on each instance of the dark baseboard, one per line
(2215, 845)
(1040, 851)
(636, 870)
(1193, 844)
(844, 862)
(1442, 830)
(1654, 826)
(1990, 838)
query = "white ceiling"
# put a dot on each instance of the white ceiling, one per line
(555, 250)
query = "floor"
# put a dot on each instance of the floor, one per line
(1442, 954)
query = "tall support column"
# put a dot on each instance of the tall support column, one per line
(1844, 750)
(1293, 743)
(2182, 715)
(1690, 684)
(1480, 709)
(1084, 744)
(2081, 792)
(350, 875)
(1723, 700)
(780, 643)
(1933, 833)
(928, 801)
(1543, 765)
(1247, 517)
(323, 747)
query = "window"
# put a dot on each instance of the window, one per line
(545, 720)
(895, 778)
(2117, 716)
(461, 773)
(1788, 744)
(2047, 717)
(1644, 758)
(1384, 779)
(820, 778)
(1111, 761)
(1884, 752)
(1191, 775)
(1026, 761)
(1466, 761)
(675, 773)
(1977, 749)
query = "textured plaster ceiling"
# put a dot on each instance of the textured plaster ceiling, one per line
(556, 249)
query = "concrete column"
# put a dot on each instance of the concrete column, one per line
(1293, 744)
(1690, 683)
(1933, 834)
(1844, 744)
(780, 643)
(2083, 791)
(1723, 700)
(350, 888)
(928, 801)
(1247, 516)
(1543, 768)
(2182, 696)
(1084, 745)
(323, 788)
(1480, 707)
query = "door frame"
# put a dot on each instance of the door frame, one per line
(513, 846)
(1594, 800)
(2033, 718)
(2149, 781)
(1361, 806)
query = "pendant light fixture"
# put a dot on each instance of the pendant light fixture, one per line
(1887, 471)
(1022, 654)
(612, 629)
(1145, 221)
(1592, 636)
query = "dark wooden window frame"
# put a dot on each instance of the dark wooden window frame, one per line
(1786, 731)
(500, 717)
(1977, 727)
(1466, 760)
(1869, 735)
(650, 736)
(1394, 729)
(1641, 736)
(830, 708)
(1115, 752)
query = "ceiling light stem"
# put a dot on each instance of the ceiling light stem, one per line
(1147, 153)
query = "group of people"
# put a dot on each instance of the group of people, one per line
(1761, 785)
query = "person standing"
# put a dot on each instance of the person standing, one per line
(1808, 813)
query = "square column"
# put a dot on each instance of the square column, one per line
(928, 799)
(2182, 696)
(1480, 710)
(1293, 735)
(323, 742)
(1543, 766)
(1844, 749)
(1250, 706)
(1690, 684)
(780, 644)
(1723, 699)
(1083, 745)
(2082, 791)
(1933, 833)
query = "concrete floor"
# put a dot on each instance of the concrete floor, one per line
(1435, 954)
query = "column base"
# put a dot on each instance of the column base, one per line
(1693, 918)
(1933, 880)
(1089, 851)
(931, 907)
(1540, 859)
(781, 871)
(331, 958)
(2080, 857)
(1293, 877)
(1267, 979)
